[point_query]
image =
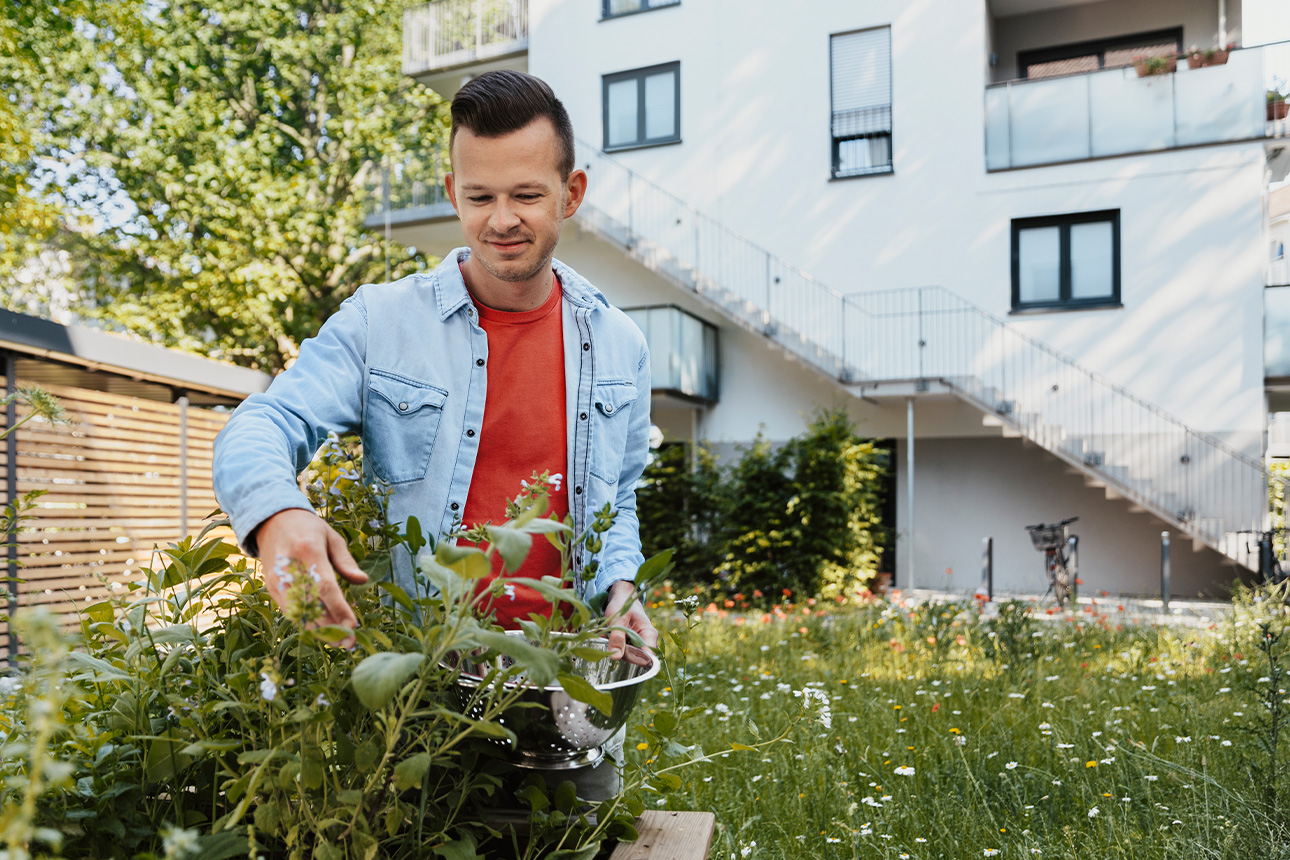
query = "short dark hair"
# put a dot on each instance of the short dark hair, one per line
(502, 101)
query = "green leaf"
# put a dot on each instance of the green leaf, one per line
(322, 851)
(101, 613)
(469, 562)
(544, 527)
(586, 852)
(397, 594)
(512, 545)
(87, 668)
(366, 845)
(670, 781)
(653, 568)
(539, 664)
(582, 690)
(738, 746)
(380, 676)
(566, 796)
(409, 772)
(266, 818)
(665, 722)
(222, 845)
(458, 849)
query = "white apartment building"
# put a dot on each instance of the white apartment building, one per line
(970, 222)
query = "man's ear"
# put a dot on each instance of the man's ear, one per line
(450, 187)
(575, 189)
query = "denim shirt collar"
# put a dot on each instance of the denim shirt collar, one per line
(452, 295)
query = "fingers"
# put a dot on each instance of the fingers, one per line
(617, 643)
(344, 563)
(300, 536)
(624, 609)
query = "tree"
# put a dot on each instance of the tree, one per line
(225, 163)
(34, 37)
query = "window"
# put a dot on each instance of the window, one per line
(860, 93)
(615, 8)
(1066, 261)
(1101, 54)
(642, 107)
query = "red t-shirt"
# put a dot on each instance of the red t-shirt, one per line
(523, 432)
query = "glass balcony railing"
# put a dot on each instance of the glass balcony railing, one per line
(1276, 332)
(451, 33)
(1115, 112)
(683, 351)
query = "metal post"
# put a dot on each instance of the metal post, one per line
(11, 498)
(987, 568)
(182, 402)
(909, 478)
(1164, 571)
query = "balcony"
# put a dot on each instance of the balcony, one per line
(683, 352)
(1114, 112)
(447, 41)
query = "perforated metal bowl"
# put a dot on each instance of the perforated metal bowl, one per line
(563, 733)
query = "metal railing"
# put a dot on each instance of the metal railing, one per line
(397, 186)
(1189, 478)
(1115, 112)
(451, 33)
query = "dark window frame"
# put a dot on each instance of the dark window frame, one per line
(1025, 59)
(639, 75)
(835, 142)
(646, 6)
(1064, 300)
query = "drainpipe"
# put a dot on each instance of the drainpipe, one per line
(1222, 23)
(11, 497)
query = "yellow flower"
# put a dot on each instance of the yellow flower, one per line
(1090, 764)
(955, 730)
(642, 746)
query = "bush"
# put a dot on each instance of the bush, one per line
(803, 518)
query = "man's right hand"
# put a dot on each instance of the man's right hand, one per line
(302, 536)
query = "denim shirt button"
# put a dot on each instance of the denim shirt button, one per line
(586, 346)
(577, 491)
(454, 506)
(583, 416)
(403, 407)
(479, 362)
(470, 432)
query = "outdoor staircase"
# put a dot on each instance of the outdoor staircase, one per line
(931, 336)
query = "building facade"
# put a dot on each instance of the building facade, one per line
(1024, 240)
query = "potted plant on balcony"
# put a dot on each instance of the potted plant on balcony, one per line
(1277, 107)
(1149, 66)
(1198, 59)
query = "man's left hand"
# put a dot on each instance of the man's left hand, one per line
(625, 612)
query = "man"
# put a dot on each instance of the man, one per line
(464, 381)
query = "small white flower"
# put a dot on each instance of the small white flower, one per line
(1094, 812)
(1227, 743)
(1179, 739)
(509, 591)
(322, 701)
(747, 849)
(831, 839)
(904, 771)
(179, 843)
(1151, 777)
(268, 689)
(1012, 765)
(9, 685)
(556, 480)
(990, 852)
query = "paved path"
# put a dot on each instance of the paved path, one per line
(1130, 610)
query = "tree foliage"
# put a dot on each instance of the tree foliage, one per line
(804, 516)
(224, 163)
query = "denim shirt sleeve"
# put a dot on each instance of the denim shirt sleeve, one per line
(621, 555)
(272, 437)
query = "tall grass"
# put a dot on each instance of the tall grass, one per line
(1012, 733)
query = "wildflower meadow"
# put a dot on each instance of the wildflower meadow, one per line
(970, 730)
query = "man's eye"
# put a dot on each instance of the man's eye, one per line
(478, 199)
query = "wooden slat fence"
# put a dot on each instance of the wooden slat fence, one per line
(123, 476)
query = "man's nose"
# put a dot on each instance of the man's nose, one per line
(504, 216)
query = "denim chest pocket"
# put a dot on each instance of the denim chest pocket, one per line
(400, 421)
(612, 402)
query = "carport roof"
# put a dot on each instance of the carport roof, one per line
(80, 356)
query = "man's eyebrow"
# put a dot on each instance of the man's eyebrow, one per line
(523, 186)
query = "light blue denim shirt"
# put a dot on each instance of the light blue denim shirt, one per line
(406, 364)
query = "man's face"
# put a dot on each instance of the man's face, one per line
(512, 202)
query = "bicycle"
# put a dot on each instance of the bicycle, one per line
(1061, 557)
(1272, 571)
